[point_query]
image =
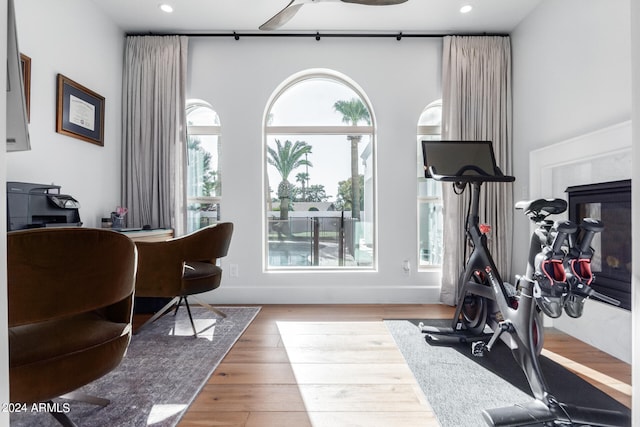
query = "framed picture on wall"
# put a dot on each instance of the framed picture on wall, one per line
(80, 112)
(25, 65)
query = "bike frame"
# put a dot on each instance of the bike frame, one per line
(514, 317)
(518, 323)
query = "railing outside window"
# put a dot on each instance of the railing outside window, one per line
(317, 241)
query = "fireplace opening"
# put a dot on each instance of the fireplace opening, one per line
(609, 202)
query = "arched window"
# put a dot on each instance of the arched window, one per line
(429, 193)
(319, 153)
(204, 180)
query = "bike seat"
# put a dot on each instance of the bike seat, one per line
(550, 206)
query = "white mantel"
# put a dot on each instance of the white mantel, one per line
(601, 156)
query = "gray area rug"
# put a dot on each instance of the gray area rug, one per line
(163, 371)
(459, 386)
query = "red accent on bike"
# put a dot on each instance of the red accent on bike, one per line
(554, 270)
(582, 269)
(485, 228)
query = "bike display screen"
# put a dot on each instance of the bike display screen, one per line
(457, 159)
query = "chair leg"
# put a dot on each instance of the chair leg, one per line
(158, 314)
(87, 398)
(177, 301)
(186, 303)
(209, 307)
(63, 419)
(178, 306)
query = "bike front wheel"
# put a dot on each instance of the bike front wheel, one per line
(474, 312)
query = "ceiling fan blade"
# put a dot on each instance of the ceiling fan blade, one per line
(375, 2)
(282, 17)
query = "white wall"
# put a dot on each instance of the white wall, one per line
(399, 77)
(571, 76)
(73, 38)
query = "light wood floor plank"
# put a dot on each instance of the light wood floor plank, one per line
(358, 374)
(355, 328)
(362, 398)
(248, 398)
(245, 354)
(219, 419)
(254, 339)
(279, 419)
(332, 340)
(253, 373)
(373, 419)
(332, 355)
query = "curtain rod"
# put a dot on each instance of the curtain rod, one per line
(317, 35)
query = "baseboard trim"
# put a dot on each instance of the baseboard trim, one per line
(324, 295)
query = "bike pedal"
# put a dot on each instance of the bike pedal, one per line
(478, 348)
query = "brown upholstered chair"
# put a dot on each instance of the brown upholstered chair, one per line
(182, 267)
(70, 294)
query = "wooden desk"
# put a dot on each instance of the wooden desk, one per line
(158, 235)
(145, 306)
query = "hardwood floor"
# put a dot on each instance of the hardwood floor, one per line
(320, 365)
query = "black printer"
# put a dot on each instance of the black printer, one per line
(40, 205)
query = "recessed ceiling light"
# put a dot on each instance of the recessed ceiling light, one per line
(166, 8)
(466, 8)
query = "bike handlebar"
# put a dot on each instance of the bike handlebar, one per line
(564, 230)
(591, 227)
(482, 176)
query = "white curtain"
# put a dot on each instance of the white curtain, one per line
(476, 105)
(154, 131)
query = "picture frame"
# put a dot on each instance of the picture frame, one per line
(79, 112)
(25, 66)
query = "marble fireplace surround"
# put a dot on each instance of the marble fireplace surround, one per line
(600, 156)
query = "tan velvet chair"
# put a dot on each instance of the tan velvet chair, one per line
(182, 267)
(70, 295)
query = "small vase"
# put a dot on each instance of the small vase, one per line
(118, 222)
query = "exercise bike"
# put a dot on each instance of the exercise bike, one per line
(488, 309)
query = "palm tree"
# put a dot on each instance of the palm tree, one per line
(286, 158)
(303, 179)
(353, 112)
